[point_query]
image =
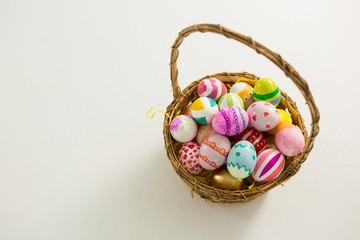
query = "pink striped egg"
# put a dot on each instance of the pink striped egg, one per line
(269, 165)
(211, 88)
(230, 121)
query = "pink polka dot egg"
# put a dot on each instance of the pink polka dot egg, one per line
(189, 157)
(263, 116)
(230, 121)
(212, 88)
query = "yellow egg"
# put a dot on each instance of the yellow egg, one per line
(284, 117)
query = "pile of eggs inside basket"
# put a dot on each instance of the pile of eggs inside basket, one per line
(242, 130)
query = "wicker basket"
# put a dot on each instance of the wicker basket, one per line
(199, 184)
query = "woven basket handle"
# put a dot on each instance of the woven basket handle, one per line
(259, 48)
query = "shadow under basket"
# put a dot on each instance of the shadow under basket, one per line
(182, 99)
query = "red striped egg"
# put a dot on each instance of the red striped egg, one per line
(269, 165)
(254, 137)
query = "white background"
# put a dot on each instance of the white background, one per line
(79, 160)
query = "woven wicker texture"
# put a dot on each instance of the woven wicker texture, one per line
(199, 184)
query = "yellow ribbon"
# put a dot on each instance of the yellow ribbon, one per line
(251, 186)
(151, 113)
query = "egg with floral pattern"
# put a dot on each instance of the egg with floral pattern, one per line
(183, 128)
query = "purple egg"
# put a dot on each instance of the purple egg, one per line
(230, 121)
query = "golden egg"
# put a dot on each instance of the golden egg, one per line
(223, 180)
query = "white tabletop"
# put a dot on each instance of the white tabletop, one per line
(79, 159)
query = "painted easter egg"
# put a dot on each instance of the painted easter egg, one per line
(243, 90)
(203, 110)
(254, 137)
(213, 151)
(241, 159)
(222, 179)
(188, 156)
(229, 100)
(230, 121)
(269, 165)
(289, 140)
(284, 117)
(263, 116)
(267, 90)
(204, 132)
(183, 128)
(212, 88)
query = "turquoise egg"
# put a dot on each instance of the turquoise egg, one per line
(241, 159)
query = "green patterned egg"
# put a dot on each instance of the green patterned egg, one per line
(267, 90)
(229, 100)
(241, 159)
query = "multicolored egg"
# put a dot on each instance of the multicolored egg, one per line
(269, 165)
(213, 151)
(243, 90)
(230, 121)
(254, 137)
(183, 128)
(289, 140)
(241, 160)
(284, 117)
(204, 132)
(222, 179)
(267, 90)
(263, 116)
(229, 100)
(212, 88)
(188, 156)
(203, 110)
